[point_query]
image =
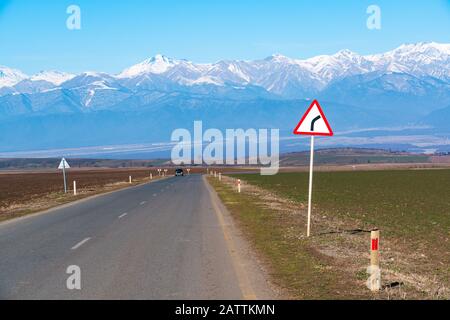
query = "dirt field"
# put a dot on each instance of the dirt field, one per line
(27, 192)
(411, 207)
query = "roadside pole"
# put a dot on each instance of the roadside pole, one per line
(74, 188)
(374, 281)
(311, 167)
(151, 176)
(220, 176)
(64, 174)
(130, 179)
(374, 246)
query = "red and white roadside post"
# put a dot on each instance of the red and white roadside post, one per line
(374, 281)
(313, 123)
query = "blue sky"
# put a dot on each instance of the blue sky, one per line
(117, 34)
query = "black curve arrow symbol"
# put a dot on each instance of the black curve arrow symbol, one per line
(314, 121)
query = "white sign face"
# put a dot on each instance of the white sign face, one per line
(63, 164)
(314, 122)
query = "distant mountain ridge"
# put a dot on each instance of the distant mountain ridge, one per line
(403, 87)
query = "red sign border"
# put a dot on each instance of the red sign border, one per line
(315, 102)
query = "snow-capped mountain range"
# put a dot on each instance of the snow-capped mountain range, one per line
(409, 85)
(11, 77)
(277, 74)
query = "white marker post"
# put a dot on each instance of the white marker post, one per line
(189, 171)
(74, 188)
(313, 123)
(151, 176)
(63, 165)
(220, 176)
(239, 185)
(130, 179)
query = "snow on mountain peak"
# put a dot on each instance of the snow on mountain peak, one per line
(156, 65)
(278, 58)
(346, 54)
(10, 77)
(423, 58)
(54, 77)
(423, 47)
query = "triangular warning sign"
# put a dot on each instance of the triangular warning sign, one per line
(63, 164)
(314, 122)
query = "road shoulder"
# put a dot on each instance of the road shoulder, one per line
(255, 281)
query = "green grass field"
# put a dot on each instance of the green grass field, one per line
(407, 203)
(343, 159)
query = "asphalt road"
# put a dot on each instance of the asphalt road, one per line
(161, 240)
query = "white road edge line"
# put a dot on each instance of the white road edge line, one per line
(79, 244)
(123, 215)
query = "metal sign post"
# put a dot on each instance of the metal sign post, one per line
(311, 167)
(64, 174)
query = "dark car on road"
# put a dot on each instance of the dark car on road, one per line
(179, 172)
